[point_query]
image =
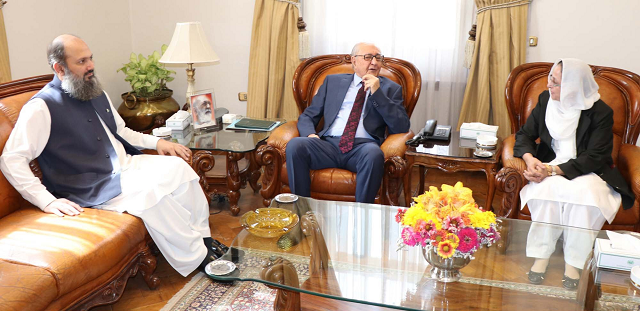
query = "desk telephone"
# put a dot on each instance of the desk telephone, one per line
(431, 130)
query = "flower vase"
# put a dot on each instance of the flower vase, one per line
(444, 269)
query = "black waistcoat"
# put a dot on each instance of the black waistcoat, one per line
(79, 162)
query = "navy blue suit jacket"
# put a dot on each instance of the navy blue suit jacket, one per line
(384, 108)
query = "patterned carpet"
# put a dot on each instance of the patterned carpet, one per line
(205, 294)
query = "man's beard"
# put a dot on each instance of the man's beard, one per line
(204, 116)
(80, 89)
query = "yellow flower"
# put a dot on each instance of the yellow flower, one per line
(482, 219)
(415, 213)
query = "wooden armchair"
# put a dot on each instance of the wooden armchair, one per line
(620, 89)
(338, 184)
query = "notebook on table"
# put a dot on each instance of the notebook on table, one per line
(247, 123)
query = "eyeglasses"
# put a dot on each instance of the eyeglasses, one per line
(369, 57)
(553, 84)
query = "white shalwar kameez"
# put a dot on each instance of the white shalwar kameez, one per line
(583, 202)
(162, 190)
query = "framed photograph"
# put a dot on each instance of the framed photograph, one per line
(203, 107)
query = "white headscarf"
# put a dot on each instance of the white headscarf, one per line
(578, 91)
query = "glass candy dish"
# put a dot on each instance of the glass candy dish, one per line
(269, 222)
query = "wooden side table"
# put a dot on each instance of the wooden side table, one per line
(455, 155)
(235, 145)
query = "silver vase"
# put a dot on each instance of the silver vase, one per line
(444, 269)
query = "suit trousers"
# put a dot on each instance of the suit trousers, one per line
(578, 242)
(365, 159)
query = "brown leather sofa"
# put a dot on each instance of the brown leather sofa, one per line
(62, 263)
(333, 183)
(620, 89)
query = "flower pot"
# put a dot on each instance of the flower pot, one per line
(444, 269)
(143, 114)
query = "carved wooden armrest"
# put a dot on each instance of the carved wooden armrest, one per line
(271, 156)
(629, 166)
(271, 160)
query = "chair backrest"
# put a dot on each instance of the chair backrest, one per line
(620, 89)
(311, 73)
(13, 95)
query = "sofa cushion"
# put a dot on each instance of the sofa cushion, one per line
(75, 250)
(24, 287)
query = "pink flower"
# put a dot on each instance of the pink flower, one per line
(408, 236)
(453, 224)
(400, 215)
(468, 240)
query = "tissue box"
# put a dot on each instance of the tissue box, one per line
(610, 258)
(180, 134)
(179, 120)
(473, 130)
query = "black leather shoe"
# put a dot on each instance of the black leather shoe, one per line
(207, 259)
(215, 247)
(569, 283)
(536, 277)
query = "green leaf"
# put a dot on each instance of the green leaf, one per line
(169, 79)
(133, 58)
(140, 57)
(164, 48)
(137, 85)
(156, 55)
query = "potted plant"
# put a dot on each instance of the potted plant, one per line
(149, 103)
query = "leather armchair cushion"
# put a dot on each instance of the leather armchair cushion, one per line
(74, 250)
(25, 287)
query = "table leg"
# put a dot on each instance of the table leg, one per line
(407, 183)
(491, 187)
(233, 180)
(202, 162)
(423, 172)
(281, 271)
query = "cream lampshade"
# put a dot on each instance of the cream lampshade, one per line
(189, 46)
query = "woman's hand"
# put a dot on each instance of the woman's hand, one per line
(536, 171)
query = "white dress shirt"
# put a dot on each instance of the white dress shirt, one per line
(338, 125)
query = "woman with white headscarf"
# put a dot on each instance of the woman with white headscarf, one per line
(572, 179)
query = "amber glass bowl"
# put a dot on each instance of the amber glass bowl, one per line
(269, 222)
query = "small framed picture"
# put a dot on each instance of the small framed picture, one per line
(203, 106)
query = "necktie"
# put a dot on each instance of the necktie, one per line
(349, 134)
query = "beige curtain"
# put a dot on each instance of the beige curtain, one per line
(5, 68)
(273, 60)
(500, 46)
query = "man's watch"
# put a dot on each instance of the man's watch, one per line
(551, 170)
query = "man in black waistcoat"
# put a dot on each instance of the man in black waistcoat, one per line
(89, 158)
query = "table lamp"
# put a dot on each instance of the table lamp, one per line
(189, 46)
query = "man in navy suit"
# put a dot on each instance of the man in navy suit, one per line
(357, 110)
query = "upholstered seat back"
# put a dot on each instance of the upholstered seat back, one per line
(620, 89)
(13, 95)
(310, 75)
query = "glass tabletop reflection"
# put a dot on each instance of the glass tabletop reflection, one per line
(219, 138)
(361, 263)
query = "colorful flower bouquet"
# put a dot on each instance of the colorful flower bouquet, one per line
(448, 221)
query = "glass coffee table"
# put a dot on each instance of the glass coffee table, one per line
(234, 145)
(347, 252)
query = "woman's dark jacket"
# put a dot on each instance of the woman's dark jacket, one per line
(594, 144)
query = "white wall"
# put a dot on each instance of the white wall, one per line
(599, 32)
(114, 29)
(227, 25)
(31, 25)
